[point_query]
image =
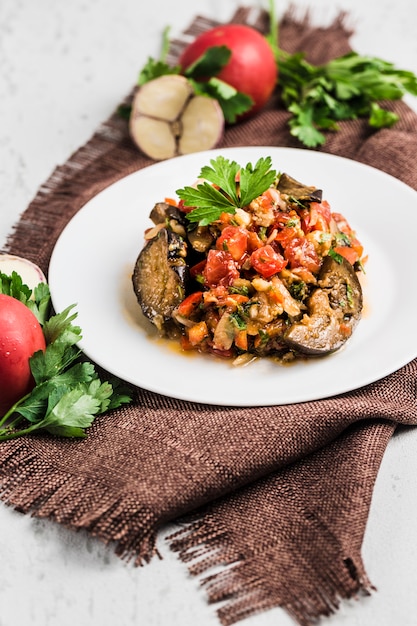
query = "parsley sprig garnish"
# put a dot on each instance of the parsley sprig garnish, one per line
(68, 393)
(226, 186)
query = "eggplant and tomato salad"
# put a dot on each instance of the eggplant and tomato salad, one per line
(269, 271)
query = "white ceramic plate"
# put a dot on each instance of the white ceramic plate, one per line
(93, 259)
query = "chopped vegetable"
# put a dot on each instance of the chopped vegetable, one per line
(272, 270)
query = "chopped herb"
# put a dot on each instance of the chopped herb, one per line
(336, 256)
(242, 290)
(342, 239)
(237, 320)
(349, 295)
(292, 223)
(298, 290)
(264, 337)
(262, 233)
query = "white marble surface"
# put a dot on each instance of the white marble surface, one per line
(64, 66)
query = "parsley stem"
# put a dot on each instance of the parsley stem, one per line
(273, 36)
(12, 410)
(6, 434)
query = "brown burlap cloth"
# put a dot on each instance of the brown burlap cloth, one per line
(278, 495)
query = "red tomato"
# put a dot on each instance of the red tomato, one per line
(234, 240)
(197, 269)
(20, 337)
(266, 261)
(190, 304)
(301, 253)
(317, 217)
(350, 254)
(251, 69)
(220, 268)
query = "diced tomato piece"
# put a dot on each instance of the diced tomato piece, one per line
(269, 199)
(220, 268)
(287, 234)
(348, 253)
(318, 217)
(324, 211)
(197, 269)
(356, 245)
(301, 252)
(233, 239)
(266, 261)
(345, 329)
(254, 241)
(185, 343)
(184, 208)
(237, 298)
(187, 307)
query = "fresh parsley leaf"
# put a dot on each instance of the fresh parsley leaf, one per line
(154, 69)
(59, 327)
(221, 192)
(335, 256)
(38, 300)
(209, 64)
(210, 203)
(233, 103)
(223, 173)
(381, 118)
(13, 286)
(302, 126)
(255, 180)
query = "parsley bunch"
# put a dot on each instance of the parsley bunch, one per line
(226, 187)
(68, 392)
(346, 88)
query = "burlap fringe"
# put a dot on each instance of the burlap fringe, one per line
(29, 484)
(203, 545)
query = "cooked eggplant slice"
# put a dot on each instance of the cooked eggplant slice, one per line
(200, 238)
(296, 190)
(163, 212)
(160, 277)
(334, 309)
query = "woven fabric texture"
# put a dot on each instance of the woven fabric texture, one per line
(278, 495)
